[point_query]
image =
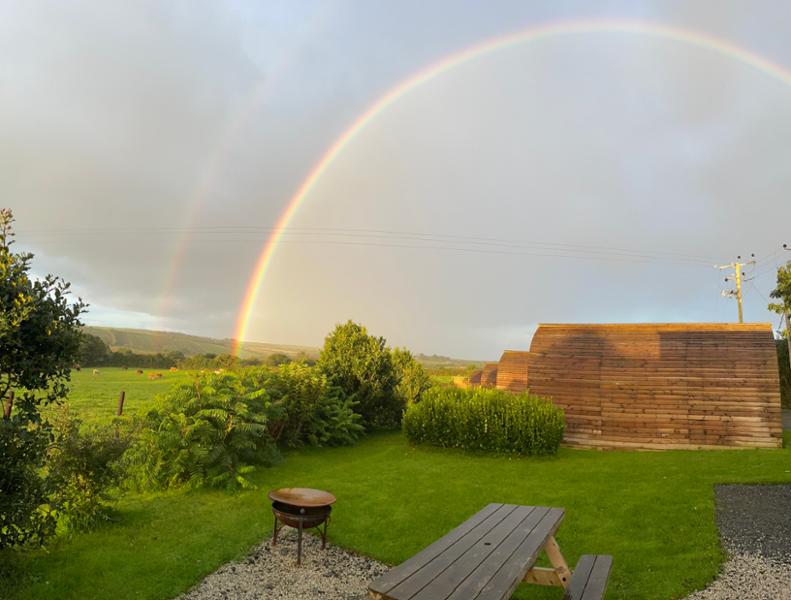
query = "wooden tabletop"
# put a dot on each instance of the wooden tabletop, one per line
(302, 497)
(486, 557)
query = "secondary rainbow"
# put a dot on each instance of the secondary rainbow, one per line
(692, 38)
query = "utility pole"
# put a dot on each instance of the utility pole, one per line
(737, 276)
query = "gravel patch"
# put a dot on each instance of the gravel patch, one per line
(272, 573)
(786, 418)
(755, 526)
(749, 577)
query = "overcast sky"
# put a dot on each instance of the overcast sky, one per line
(147, 147)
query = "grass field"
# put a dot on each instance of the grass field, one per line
(654, 511)
(94, 398)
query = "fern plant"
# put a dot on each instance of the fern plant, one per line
(210, 432)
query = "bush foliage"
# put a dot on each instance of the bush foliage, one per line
(210, 432)
(39, 342)
(785, 372)
(308, 410)
(217, 429)
(485, 419)
(81, 470)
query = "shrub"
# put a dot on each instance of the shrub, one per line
(785, 372)
(81, 470)
(211, 432)
(485, 419)
(308, 411)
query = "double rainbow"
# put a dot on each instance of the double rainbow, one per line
(675, 34)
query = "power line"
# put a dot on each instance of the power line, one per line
(333, 233)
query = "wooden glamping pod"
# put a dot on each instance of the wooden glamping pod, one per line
(661, 385)
(512, 371)
(489, 375)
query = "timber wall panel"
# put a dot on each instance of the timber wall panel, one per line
(489, 375)
(661, 385)
(512, 371)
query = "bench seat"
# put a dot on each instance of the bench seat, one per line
(589, 579)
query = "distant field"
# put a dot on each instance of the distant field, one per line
(150, 342)
(94, 398)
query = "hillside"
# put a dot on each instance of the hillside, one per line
(148, 341)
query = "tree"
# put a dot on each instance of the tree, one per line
(39, 342)
(277, 359)
(362, 367)
(783, 293)
(412, 377)
(93, 351)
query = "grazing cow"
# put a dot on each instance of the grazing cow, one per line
(140, 371)
(76, 367)
(155, 375)
(174, 369)
(96, 371)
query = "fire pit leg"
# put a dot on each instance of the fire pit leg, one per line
(299, 544)
(274, 532)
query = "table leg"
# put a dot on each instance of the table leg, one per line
(556, 558)
(559, 575)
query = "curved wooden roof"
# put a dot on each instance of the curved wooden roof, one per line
(489, 375)
(512, 371)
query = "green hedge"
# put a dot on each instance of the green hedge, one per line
(485, 419)
(785, 372)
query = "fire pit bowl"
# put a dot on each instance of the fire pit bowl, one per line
(301, 508)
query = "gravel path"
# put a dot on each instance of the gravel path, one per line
(786, 418)
(271, 574)
(755, 525)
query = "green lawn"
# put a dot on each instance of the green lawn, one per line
(653, 511)
(94, 398)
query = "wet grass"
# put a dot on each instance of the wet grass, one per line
(654, 511)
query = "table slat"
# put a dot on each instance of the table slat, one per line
(491, 513)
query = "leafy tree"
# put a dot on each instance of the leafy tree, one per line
(277, 359)
(782, 293)
(93, 351)
(361, 365)
(39, 342)
(413, 380)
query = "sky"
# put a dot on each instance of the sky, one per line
(149, 148)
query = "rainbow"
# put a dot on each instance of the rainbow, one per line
(542, 32)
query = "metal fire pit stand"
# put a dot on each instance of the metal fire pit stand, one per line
(302, 521)
(301, 508)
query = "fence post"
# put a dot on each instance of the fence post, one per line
(8, 405)
(121, 398)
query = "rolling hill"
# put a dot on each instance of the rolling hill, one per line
(147, 341)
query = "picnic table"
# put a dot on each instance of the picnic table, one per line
(489, 555)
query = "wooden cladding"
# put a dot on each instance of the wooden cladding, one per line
(489, 375)
(658, 385)
(512, 371)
